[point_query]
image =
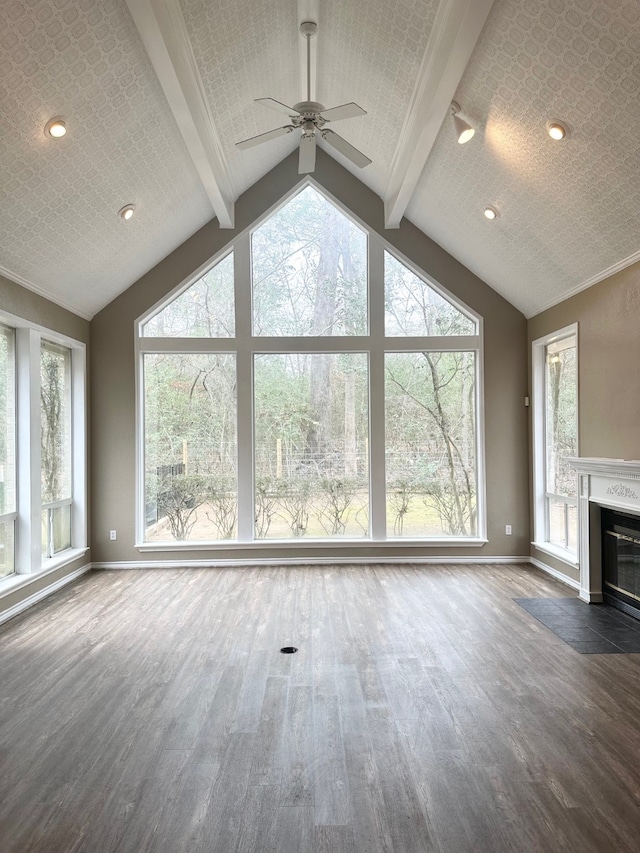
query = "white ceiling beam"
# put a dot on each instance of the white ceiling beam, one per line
(455, 31)
(308, 10)
(164, 33)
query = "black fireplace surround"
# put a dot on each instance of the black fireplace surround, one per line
(621, 560)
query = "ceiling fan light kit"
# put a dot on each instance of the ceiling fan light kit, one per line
(310, 117)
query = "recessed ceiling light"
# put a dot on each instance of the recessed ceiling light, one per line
(127, 211)
(491, 212)
(55, 127)
(557, 130)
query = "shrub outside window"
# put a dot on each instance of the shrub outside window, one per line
(287, 397)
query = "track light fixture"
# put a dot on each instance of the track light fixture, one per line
(464, 131)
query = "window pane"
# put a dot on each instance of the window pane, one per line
(311, 466)
(55, 420)
(561, 418)
(556, 523)
(7, 548)
(412, 308)
(190, 447)
(204, 310)
(56, 530)
(7, 421)
(572, 544)
(430, 441)
(309, 271)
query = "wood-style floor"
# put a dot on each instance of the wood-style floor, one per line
(424, 711)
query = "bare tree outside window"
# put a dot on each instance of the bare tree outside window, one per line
(55, 446)
(561, 441)
(311, 398)
(190, 446)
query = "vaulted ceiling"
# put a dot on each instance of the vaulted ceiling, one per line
(156, 93)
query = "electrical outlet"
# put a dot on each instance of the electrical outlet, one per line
(113, 535)
(507, 529)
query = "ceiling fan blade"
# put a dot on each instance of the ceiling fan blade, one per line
(278, 106)
(264, 137)
(346, 148)
(307, 160)
(345, 111)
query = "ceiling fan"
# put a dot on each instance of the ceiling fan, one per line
(311, 118)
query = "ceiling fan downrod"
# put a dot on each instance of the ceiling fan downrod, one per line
(308, 30)
(311, 118)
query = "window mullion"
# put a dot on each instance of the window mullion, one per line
(376, 390)
(244, 368)
(28, 552)
(325, 431)
(78, 450)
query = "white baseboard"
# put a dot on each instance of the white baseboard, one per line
(555, 573)
(306, 561)
(30, 600)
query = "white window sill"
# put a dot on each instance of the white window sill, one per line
(16, 581)
(273, 544)
(568, 557)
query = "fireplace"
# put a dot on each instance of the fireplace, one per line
(609, 531)
(621, 560)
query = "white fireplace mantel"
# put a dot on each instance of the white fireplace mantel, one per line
(613, 483)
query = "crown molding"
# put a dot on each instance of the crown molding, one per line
(585, 285)
(28, 285)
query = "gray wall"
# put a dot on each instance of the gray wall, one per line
(23, 303)
(113, 381)
(608, 359)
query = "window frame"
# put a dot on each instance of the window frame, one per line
(29, 560)
(542, 497)
(245, 345)
(10, 517)
(50, 507)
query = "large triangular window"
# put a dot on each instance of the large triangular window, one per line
(311, 386)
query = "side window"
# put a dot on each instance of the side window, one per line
(7, 451)
(42, 448)
(555, 364)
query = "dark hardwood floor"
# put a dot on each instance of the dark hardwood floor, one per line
(424, 711)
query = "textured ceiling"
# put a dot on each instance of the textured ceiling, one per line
(368, 52)
(59, 228)
(568, 211)
(248, 50)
